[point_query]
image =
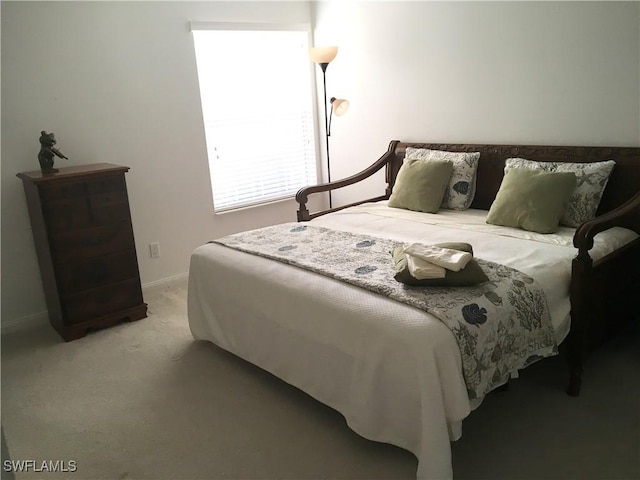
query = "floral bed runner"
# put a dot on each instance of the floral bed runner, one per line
(501, 325)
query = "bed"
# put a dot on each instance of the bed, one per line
(397, 372)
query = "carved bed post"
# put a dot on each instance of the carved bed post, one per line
(303, 212)
(582, 294)
(392, 168)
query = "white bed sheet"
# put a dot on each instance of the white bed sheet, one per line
(393, 371)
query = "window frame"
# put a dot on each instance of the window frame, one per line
(267, 26)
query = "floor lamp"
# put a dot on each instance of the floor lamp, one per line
(323, 57)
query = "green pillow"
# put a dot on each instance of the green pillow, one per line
(420, 185)
(471, 274)
(533, 200)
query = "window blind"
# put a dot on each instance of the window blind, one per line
(256, 95)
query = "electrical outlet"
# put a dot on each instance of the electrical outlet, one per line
(154, 250)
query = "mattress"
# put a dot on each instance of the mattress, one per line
(393, 371)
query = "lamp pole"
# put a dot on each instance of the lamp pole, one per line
(323, 56)
(326, 125)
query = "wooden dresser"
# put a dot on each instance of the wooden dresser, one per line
(84, 240)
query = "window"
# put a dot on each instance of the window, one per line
(256, 94)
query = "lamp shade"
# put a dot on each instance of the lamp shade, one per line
(323, 54)
(339, 106)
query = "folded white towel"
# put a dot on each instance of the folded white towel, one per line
(421, 269)
(453, 260)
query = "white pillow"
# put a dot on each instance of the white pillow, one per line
(591, 179)
(462, 185)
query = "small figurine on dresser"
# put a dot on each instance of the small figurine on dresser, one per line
(48, 151)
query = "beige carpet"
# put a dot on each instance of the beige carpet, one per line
(145, 401)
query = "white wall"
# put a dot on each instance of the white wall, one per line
(116, 82)
(555, 73)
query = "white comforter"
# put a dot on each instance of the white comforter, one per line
(393, 371)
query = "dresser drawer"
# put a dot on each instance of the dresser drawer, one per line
(73, 189)
(113, 183)
(63, 190)
(88, 273)
(67, 214)
(111, 214)
(108, 199)
(85, 212)
(92, 242)
(101, 301)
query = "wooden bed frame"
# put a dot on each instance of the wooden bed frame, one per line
(603, 292)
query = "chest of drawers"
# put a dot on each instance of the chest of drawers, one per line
(84, 241)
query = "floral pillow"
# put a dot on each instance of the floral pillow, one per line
(462, 185)
(591, 181)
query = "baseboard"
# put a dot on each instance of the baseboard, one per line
(42, 318)
(36, 319)
(165, 282)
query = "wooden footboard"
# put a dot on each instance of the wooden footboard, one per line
(602, 292)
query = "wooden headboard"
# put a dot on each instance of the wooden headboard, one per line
(623, 184)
